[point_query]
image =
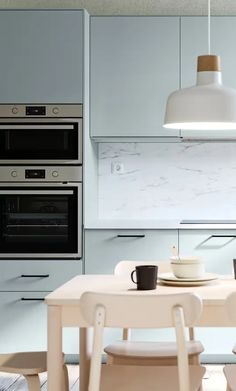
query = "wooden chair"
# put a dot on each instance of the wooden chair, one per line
(131, 352)
(230, 369)
(29, 364)
(142, 311)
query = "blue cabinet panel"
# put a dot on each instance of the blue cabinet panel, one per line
(134, 67)
(41, 56)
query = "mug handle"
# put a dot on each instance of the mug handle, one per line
(132, 278)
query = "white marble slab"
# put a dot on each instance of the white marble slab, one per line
(167, 181)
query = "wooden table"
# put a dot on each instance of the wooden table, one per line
(64, 311)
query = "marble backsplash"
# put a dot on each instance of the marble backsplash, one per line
(167, 181)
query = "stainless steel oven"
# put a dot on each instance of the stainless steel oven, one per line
(41, 134)
(40, 212)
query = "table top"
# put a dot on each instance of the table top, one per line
(69, 294)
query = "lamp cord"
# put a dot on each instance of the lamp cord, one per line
(209, 26)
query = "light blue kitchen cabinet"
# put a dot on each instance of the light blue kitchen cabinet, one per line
(105, 248)
(41, 56)
(194, 42)
(134, 67)
(37, 275)
(23, 286)
(23, 323)
(217, 249)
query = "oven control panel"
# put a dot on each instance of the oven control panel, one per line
(46, 174)
(30, 111)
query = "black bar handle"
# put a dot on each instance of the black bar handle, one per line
(35, 275)
(131, 236)
(32, 299)
(223, 236)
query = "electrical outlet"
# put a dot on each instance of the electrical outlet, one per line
(117, 168)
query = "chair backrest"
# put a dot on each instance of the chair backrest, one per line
(231, 307)
(136, 310)
(141, 311)
(124, 268)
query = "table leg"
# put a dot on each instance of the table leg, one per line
(85, 355)
(54, 355)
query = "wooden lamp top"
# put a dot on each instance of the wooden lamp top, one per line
(208, 62)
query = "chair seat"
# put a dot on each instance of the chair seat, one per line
(136, 378)
(230, 374)
(26, 363)
(138, 349)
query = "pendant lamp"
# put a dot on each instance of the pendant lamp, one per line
(206, 106)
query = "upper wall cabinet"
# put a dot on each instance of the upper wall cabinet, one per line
(194, 42)
(41, 56)
(134, 67)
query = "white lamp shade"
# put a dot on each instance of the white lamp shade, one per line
(208, 105)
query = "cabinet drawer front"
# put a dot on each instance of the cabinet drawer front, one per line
(36, 275)
(105, 248)
(216, 248)
(23, 324)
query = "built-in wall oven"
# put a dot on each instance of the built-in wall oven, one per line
(40, 212)
(40, 181)
(42, 134)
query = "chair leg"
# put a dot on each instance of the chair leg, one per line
(65, 386)
(33, 382)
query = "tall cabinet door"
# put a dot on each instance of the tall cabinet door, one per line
(194, 42)
(41, 56)
(134, 67)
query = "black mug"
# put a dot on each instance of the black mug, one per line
(146, 276)
(234, 263)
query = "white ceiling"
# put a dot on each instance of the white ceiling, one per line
(131, 7)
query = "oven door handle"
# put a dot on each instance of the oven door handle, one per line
(36, 127)
(36, 192)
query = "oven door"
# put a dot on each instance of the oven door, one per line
(41, 221)
(41, 141)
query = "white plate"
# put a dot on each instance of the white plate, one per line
(170, 279)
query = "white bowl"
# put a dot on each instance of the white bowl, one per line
(187, 267)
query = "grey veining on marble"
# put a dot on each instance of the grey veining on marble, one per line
(168, 181)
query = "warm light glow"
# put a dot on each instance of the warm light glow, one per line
(202, 125)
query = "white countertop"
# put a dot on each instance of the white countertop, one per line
(153, 224)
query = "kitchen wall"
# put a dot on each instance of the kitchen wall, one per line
(172, 181)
